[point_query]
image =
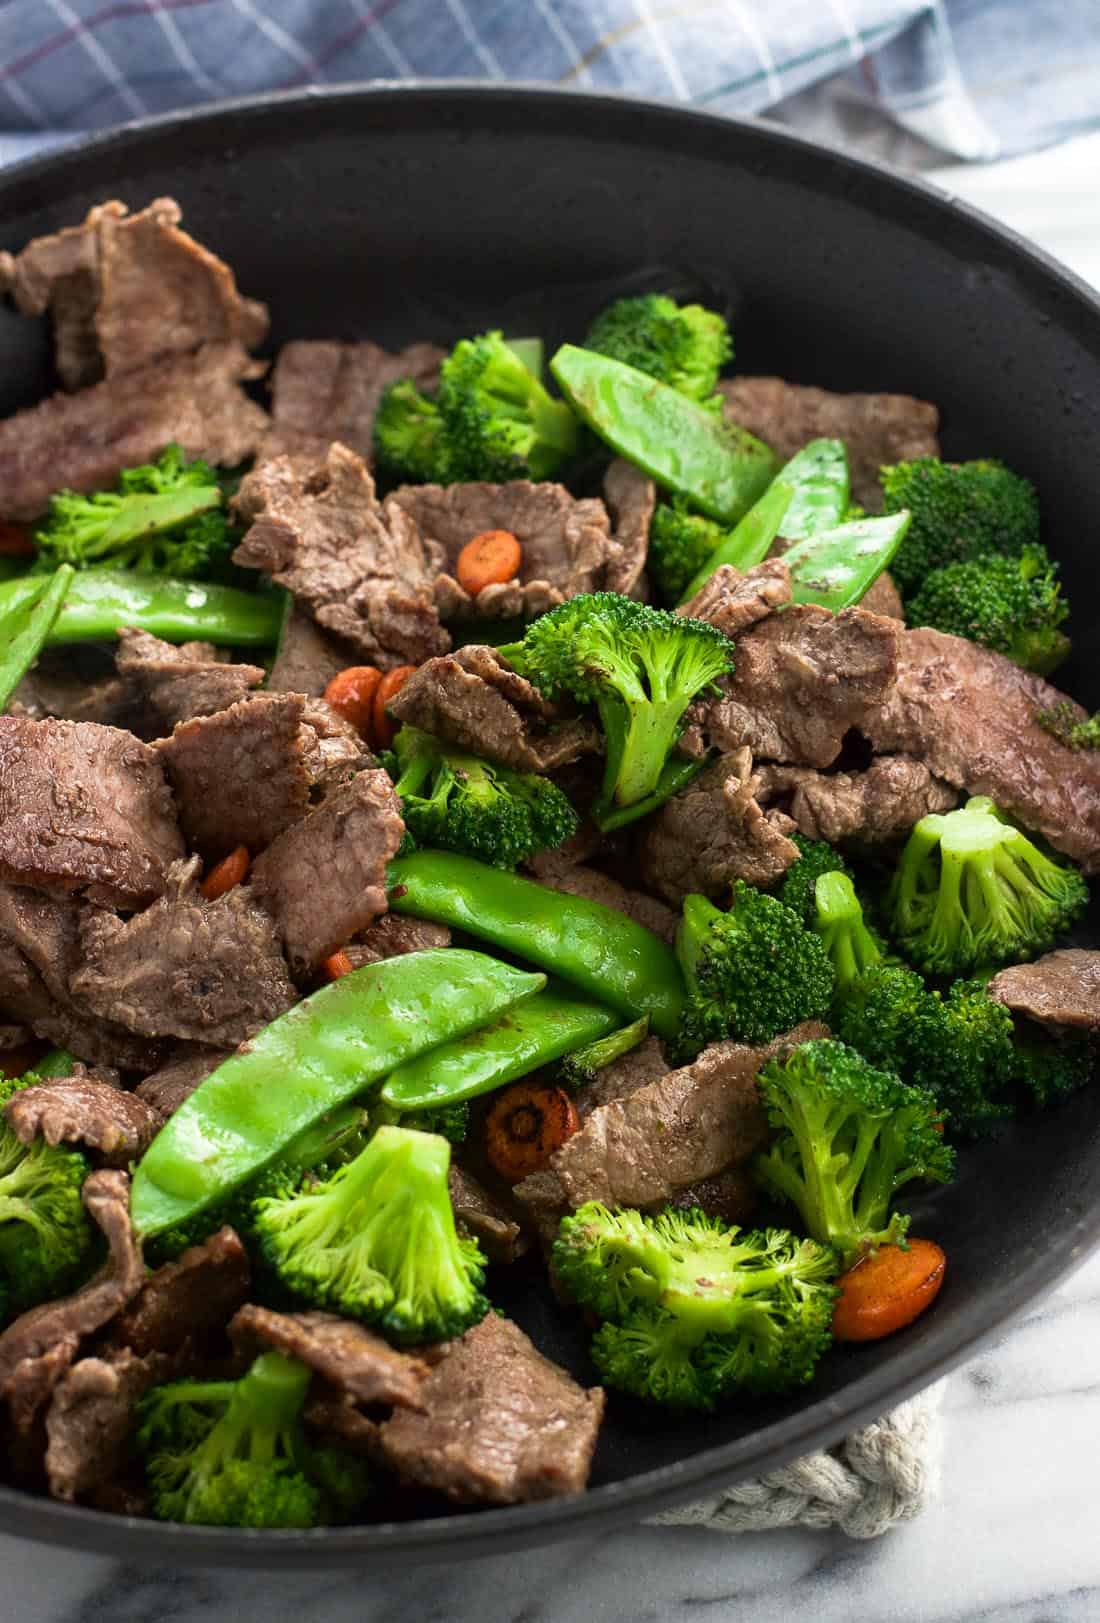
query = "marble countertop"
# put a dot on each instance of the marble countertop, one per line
(1012, 1536)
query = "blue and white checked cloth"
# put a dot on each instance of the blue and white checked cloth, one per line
(980, 79)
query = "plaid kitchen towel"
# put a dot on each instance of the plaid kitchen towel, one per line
(976, 78)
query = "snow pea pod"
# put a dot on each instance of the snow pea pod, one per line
(721, 468)
(595, 948)
(321, 1053)
(25, 625)
(100, 601)
(818, 475)
(541, 1029)
(836, 567)
(751, 540)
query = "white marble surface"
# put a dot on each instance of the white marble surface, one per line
(1012, 1536)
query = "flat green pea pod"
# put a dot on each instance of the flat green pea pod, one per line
(100, 601)
(750, 542)
(818, 475)
(536, 1032)
(323, 1052)
(25, 626)
(721, 468)
(595, 948)
(836, 567)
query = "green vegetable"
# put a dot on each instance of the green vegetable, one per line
(848, 1138)
(818, 475)
(595, 948)
(836, 568)
(696, 1311)
(685, 346)
(326, 1050)
(749, 541)
(681, 543)
(1012, 605)
(457, 802)
(1050, 1068)
(377, 1241)
(101, 601)
(529, 352)
(678, 773)
(971, 890)
(751, 973)
(45, 1234)
(641, 667)
(410, 437)
(798, 890)
(536, 1032)
(500, 421)
(25, 627)
(851, 946)
(234, 1453)
(720, 468)
(1063, 722)
(450, 1121)
(960, 510)
(585, 1064)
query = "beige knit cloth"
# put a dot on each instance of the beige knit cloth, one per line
(879, 1476)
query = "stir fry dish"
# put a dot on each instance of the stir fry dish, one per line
(468, 816)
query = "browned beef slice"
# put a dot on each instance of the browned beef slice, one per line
(348, 1356)
(392, 935)
(556, 872)
(335, 1422)
(1059, 990)
(883, 597)
(731, 1196)
(307, 658)
(199, 1292)
(328, 391)
(240, 776)
(879, 804)
(877, 428)
(969, 714)
(61, 273)
(176, 683)
(712, 833)
(65, 683)
(484, 1218)
(208, 972)
(37, 1347)
(84, 808)
(565, 541)
(733, 601)
(82, 441)
(325, 878)
(360, 568)
(474, 700)
(166, 1088)
(77, 1109)
(91, 1419)
(631, 498)
(333, 752)
(623, 1077)
(802, 679)
(501, 1425)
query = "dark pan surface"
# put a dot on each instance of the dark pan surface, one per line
(429, 211)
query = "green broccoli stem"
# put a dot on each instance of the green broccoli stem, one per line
(99, 602)
(139, 516)
(676, 774)
(639, 741)
(264, 1408)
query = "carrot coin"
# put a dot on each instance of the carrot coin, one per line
(524, 1127)
(225, 874)
(887, 1290)
(489, 559)
(337, 965)
(388, 688)
(351, 694)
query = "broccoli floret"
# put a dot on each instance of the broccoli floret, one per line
(163, 517)
(377, 1241)
(641, 667)
(960, 510)
(696, 1310)
(457, 802)
(685, 346)
(1063, 722)
(852, 947)
(971, 890)
(1012, 605)
(45, 1234)
(1049, 1069)
(585, 1064)
(500, 420)
(410, 437)
(750, 973)
(848, 1137)
(234, 1454)
(680, 542)
(799, 882)
(451, 1122)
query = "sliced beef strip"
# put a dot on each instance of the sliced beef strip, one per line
(472, 699)
(84, 808)
(712, 833)
(82, 441)
(177, 683)
(557, 872)
(197, 1293)
(879, 804)
(333, 752)
(77, 1109)
(392, 935)
(631, 498)
(334, 1422)
(91, 1419)
(38, 1347)
(969, 715)
(323, 391)
(70, 684)
(883, 597)
(203, 971)
(307, 658)
(731, 1196)
(876, 428)
(166, 1088)
(126, 289)
(802, 680)
(1060, 991)
(346, 1355)
(623, 1077)
(360, 568)
(484, 1218)
(501, 1424)
(325, 878)
(733, 601)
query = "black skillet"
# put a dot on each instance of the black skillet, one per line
(433, 211)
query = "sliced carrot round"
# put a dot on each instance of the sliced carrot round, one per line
(351, 694)
(388, 688)
(336, 965)
(489, 559)
(526, 1124)
(887, 1290)
(225, 874)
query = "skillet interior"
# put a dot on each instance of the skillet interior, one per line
(430, 211)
